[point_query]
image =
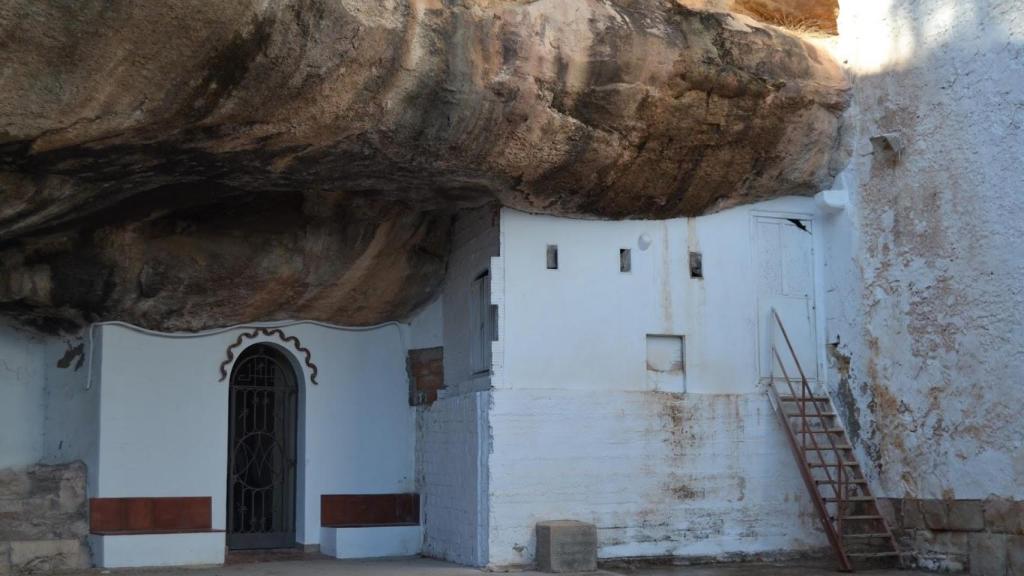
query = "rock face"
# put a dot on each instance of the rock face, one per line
(189, 164)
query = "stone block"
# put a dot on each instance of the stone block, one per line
(892, 510)
(566, 546)
(14, 484)
(965, 515)
(1015, 555)
(913, 519)
(949, 543)
(44, 503)
(1004, 516)
(934, 513)
(987, 554)
(45, 556)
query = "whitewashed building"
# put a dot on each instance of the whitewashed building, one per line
(610, 372)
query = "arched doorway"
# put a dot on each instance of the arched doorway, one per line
(261, 450)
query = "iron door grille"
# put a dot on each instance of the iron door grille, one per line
(261, 460)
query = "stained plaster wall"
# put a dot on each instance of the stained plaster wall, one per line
(163, 417)
(926, 282)
(453, 438)
(42, 417)
(579, 432)
(22, 397)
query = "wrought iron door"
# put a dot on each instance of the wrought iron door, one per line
(261, 457)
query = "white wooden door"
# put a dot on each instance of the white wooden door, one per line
(784, 254)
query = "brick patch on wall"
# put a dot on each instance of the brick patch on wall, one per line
(43, 519)
(984, 537)
(426, 375)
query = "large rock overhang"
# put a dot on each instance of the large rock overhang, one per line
(183, 165)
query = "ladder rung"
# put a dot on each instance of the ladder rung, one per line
(810, 415)
(851, 499)
(816, 431)
(862, 518)
(827, 448)
(872, 535)
(834, 464)
(804, 398)
(853, 481)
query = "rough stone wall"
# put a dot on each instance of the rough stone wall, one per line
(43, 519)
(926, 297)
(984, 536)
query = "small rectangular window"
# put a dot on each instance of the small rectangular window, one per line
(552, 257)
(696, 265)
(625, 260)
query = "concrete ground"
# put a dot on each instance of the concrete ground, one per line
(322, 566)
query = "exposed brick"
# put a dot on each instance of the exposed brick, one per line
(426, 375)
(965, 515)
(988, 554)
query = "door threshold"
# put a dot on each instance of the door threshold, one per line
(259, 556)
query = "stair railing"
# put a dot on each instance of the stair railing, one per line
(799, 447)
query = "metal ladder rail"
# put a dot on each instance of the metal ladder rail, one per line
(840, 486)
(831, 532)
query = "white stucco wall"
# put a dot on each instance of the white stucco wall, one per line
(579, 432)
(926, 305)
(22, 396)
(164, 417)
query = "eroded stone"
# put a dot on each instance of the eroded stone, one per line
(292, 159)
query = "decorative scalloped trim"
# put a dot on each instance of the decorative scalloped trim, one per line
(269, 332)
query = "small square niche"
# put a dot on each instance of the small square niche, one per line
(666, 368)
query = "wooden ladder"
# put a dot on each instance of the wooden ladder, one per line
(849, 513)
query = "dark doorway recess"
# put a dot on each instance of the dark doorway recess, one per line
(261, 450)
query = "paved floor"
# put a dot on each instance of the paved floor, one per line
(322, 566)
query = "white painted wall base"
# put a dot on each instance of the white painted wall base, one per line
(371, 541)
(140, 550)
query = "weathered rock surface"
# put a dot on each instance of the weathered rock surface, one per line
(189, 164)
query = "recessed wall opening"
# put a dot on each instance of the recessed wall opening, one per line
(552, 257)
(696, 265)
(483, 317)
(625, 260)
(262, 431)
(666, 370)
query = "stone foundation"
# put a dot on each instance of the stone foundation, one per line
(984, 537)
(43, 519)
